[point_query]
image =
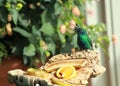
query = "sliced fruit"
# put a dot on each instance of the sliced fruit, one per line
(59, 82)
(37, 72)
(49, 67)
(66, 72)
(31, 71)
(42, 74)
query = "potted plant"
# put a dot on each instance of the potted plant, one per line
(39, 29)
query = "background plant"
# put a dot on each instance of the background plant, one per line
(41, 27)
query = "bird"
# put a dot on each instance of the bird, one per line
(83, 40)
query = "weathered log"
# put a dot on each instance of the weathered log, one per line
(86, 62)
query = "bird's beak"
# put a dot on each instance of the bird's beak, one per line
(77, 28)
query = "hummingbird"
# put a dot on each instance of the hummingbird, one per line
(83, 40)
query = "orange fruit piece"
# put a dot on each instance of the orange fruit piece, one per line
(66, 72)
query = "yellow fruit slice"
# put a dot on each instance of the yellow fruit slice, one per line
(42, 74)
(66, 72)
(59, 82)
(49, 67)
(37, 72)
(31, 71)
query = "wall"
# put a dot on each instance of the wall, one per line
(113, 25)
(98, 16)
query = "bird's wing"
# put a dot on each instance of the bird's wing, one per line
(90, 41)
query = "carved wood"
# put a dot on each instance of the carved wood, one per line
(86, 62)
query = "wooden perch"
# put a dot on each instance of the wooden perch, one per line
(86, 63)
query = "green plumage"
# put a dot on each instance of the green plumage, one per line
(83, 40)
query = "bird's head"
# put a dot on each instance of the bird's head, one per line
(80, 30)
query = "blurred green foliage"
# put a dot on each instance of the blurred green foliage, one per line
(41, 28)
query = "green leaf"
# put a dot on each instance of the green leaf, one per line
(23, 21)
(51, 47)
(22, 1)
(62, 37)
(3, 51)
(1, 54)
(22, 32)
(59, 22)
(44, 17)
(35, 31)
(14, 14)
(0, 61)
(29, 50)
(66, 48)
(27, 60)
(47, 0)
(47, 29)
(74, 41)
(58, 8)
(42, 55)
(100, 28)
(33, 39)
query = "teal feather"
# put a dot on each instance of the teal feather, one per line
(83, 39)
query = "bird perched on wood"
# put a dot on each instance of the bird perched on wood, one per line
(83, 40)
